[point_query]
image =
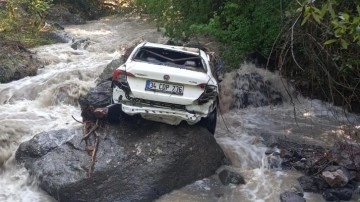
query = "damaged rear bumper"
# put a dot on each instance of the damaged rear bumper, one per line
(163, 112)
(169, 116)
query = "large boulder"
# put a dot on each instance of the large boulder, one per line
(16, 61)
(228, 176)
(106, 75)
(137, 160)
(64, 14)
(313, 184)
(76, 12)
(347, 155)
(100, 96)
(336, 176)
(338, 194)
(293, 152)
(291, 197)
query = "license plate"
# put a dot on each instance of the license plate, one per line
(164, 87)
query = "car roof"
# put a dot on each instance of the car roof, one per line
(178, 48)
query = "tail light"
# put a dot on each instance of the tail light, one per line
(121, 75)
(202, 85)
(210, 92)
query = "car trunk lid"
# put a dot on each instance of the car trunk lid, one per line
(165, 83)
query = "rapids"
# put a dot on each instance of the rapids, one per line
(48, 101)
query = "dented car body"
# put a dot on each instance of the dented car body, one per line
(167, 84)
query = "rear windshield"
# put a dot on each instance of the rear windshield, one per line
(171, 58)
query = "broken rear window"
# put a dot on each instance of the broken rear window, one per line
(172, 58)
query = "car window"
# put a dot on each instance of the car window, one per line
(171, 58)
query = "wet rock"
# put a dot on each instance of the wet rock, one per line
(269, 151)
(16, 62)
(291, 197)
(346, 155)
(274, 160)
(228, 176)
(100, 96)
(300, 165)
(252, 90)
(56, 33)
(338, 194)
(297, 189)
(97, 97)
(305, 157)
(336, 176)
(64, 14)
(139, 161)
(106, 75)
(312, 183)
(292, 159)
(284, 153)
(76, 12)
(356, 192)
(273, 151)
(80, 44)
(59, 36)
(42, 144)
(355, 175)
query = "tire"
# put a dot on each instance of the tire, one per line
(210, 121)
(114, 113)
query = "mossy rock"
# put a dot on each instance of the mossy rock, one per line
(16, 62)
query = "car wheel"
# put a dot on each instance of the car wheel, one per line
(114, 113)
(210, 121)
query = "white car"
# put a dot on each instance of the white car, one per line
(168, 84)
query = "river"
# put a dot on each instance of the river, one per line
(48, 101)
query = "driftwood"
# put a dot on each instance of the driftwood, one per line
(92, 121)
(93, 155)
(87, 133)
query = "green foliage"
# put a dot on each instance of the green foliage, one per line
(21, 20)
(339, 17)
(177, 16)
(38, 6)
(325, 45)
(242, 26)
(245, 27)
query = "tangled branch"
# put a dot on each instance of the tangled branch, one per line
(92, 121)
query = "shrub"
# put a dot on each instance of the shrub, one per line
(21, 20)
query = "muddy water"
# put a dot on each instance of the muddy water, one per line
(49, 100)
(238, 133)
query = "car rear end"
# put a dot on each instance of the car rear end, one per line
(166, 83)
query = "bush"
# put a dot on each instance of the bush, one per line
(21, 20)
(242, 26)
(177, 16)
(323, 49)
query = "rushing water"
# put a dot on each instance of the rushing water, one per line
(238, 133)
(49, 100)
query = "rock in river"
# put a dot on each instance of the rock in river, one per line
(291, 197)
(137, 160)
(16, 61)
